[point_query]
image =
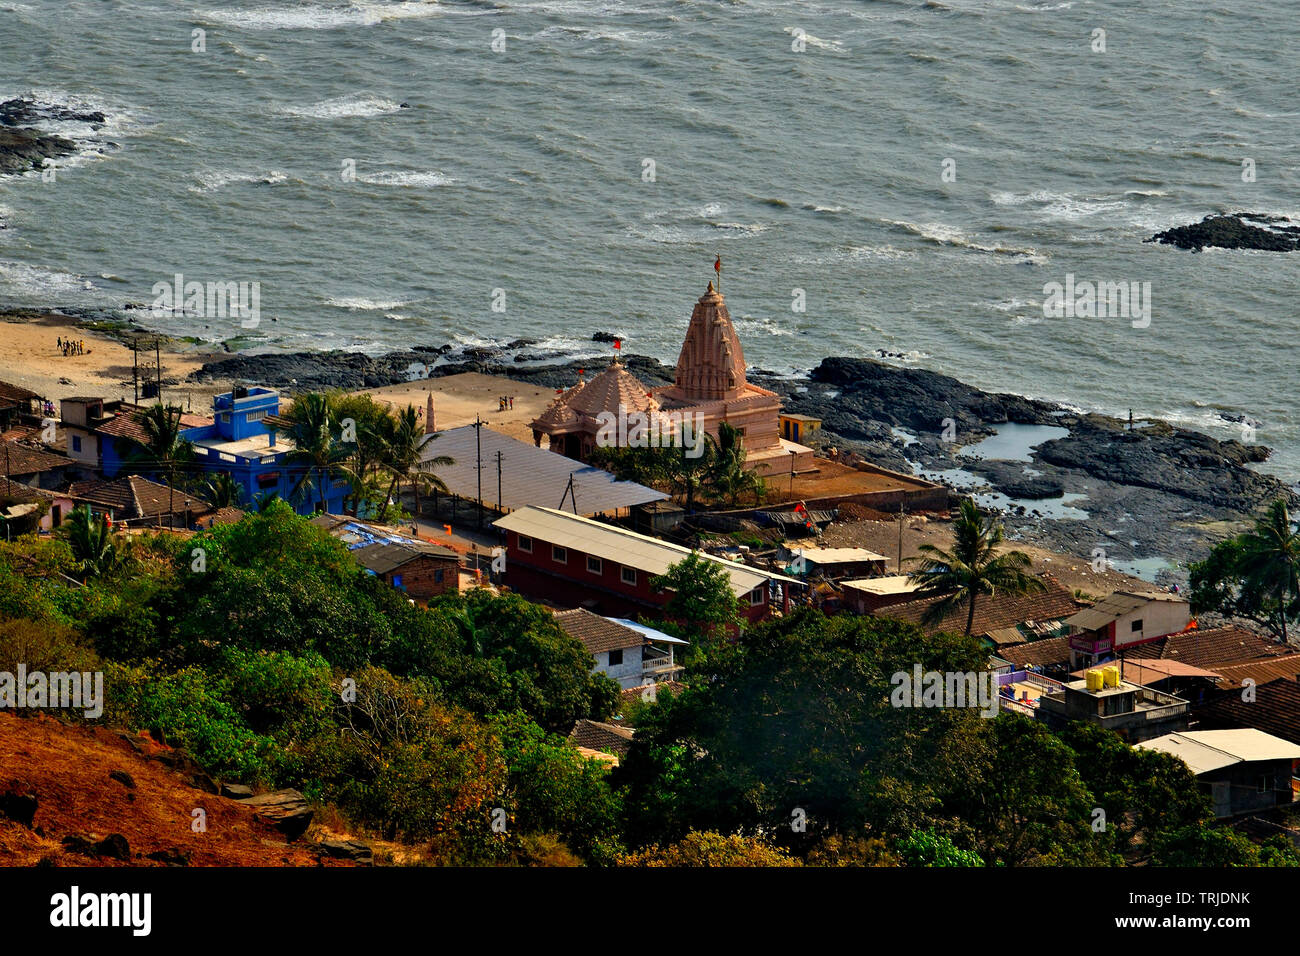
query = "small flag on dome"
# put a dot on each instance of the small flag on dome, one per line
(618, 344)
(717, 266)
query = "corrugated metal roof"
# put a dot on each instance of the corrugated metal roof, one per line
(1110, 608)
(529, 475)
(384, 557)
(840, 555)
(1206, 750)
(622, 546)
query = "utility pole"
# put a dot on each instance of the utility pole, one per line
(500, 507)
(901, 518)
(478, 450)
(135, 367)
(157, 357)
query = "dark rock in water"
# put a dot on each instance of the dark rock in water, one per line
(22, 111)
(1243, 230)
(352, 850)
(1032, 488)
(315, 371)
(19, 807)
(25, 149)
(286, 810)
(913, 398)
(604, 337)
(1176, 460)
(520, 343)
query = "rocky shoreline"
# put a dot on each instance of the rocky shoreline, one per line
(24, 147)
(1242, 230)
(1155, 497)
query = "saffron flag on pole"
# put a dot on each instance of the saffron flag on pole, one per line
(618, 344)
(717, 266)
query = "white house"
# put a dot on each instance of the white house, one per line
(629, 653)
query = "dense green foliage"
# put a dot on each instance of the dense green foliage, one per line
(1255, 575)
(263, 650)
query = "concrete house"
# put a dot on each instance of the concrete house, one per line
(420, 569)
(623, 652)
(1245, 770)
(1123, 620)
(241, 440)
(1134, 712)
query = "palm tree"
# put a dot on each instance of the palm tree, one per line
(163, 450)
(317, 449)
(728, 478)
(1270, 560)
(973, 567)
(91, 541)
(224, 491)
(403, 456)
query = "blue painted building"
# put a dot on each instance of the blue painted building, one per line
(240, 443)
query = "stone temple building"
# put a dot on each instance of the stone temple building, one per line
(710, 384)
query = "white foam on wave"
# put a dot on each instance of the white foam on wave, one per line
(314, 16)
(24, 280)
(944, 234)
(350, 105)
(761, 326)
(358, 303)
(212, 181)
(415, 179)
(834, 46)
(577, 33)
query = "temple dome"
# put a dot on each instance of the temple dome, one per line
(612, 388)
(711, 365)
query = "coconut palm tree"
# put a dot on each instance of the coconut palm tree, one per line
(317, 450)
(1270, 560)
(224, 491)
(728, 478)
(973, 567)
(404, 456)
(91, 541)
(163, 450)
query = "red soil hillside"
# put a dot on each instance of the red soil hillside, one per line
(68, 767)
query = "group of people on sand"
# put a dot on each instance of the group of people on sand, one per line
(505, 402)
(71, 347)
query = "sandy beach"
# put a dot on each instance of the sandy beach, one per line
(457, 399)
(30, 356)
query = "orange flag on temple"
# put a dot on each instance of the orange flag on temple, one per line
(717, 266)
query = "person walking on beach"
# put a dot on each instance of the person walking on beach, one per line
(512, 403)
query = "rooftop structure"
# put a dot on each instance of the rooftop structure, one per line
(1134, 712)
(529, 475)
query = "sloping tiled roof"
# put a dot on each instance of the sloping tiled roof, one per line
(1286, 667)
(20, 459)
(130, 424)
(631, 695)
(607, 738)
(597, 634)
(17, 491)
(1052, 650)
(1210, 647)
(15, 394)
(135, 497)
(382, 557)
(1275, 710)
(992, 612)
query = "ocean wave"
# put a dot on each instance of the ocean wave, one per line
(24, 280)
(686, 235)
(362, 304)
(569, 32)
(212, 181)
(343, 107)
(318, 16)
(416, 179)
(943, 234)
(834, 46)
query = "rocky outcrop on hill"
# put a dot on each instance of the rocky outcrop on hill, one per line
(1243, 230)
(287, 810)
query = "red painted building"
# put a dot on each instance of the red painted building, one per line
(575, 561)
